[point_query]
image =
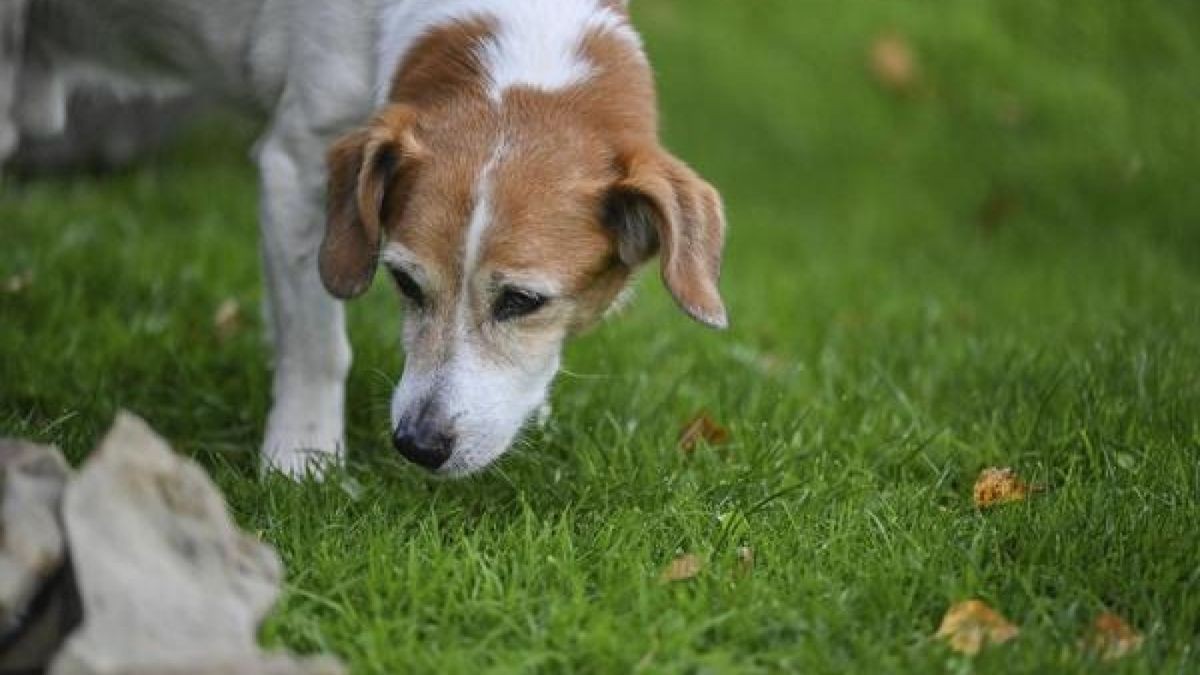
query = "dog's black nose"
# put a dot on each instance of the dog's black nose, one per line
(422, 447)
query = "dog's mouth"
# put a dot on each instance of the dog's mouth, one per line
(460, 468)
(477, 444)
(455, 446)
(456, 422)
(460, 464)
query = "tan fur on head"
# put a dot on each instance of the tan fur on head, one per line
(475, 192)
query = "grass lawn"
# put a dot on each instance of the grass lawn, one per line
(999, 266)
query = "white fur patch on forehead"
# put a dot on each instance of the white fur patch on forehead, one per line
(536, 42)
(481, 215)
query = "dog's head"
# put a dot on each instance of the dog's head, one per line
(507, 225)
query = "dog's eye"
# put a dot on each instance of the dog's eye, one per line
(407, 286)
(514, 303)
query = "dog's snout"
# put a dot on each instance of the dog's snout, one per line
(424, 445)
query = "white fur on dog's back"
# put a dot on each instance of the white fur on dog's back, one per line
(536, 42)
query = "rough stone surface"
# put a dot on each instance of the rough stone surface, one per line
(52, 614)
(169, 585)
(256, 665)
(38, 606)
(32, 480)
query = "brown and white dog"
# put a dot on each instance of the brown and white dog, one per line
(510, 180)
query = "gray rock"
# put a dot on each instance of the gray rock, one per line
(262, 665)
(52, 614)
(32, 479)
(169, 584)
(32, 554)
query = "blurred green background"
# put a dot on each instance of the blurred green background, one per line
(962, 234)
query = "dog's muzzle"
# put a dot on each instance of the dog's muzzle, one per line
(423, 443)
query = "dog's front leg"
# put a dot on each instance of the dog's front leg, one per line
(312, 354)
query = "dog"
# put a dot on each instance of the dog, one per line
(499, 159)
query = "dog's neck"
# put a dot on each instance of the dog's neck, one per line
(505, 44)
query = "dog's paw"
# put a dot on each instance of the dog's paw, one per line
(305, 432)
(299, 457)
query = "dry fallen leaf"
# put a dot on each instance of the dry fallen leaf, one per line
(893, 63)
(1111, 638)
(702, 428)
(227, 320)
(682, 568)
(970, 625)
(999, 486)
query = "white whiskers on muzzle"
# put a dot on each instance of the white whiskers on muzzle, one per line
(481, 405)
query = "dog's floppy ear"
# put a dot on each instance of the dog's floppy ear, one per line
(661, 205)
(366, 168)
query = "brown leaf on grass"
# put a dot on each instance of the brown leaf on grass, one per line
(18, 282)
(894, 64)
(702, 427)
(682, 568)
(1000, 486)
(227, 320)
(969, 626)
(1111, 638)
